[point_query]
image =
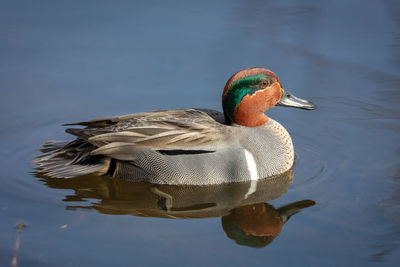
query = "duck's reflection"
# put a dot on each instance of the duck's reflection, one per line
(256, 225)
(246, 217)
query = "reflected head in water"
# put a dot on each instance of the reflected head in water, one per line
(257, 225)
(246, 217)
(187, 146)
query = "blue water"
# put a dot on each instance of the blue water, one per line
(71, 61)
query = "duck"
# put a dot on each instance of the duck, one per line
(192, 146)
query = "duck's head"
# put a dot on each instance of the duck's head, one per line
(250, 92)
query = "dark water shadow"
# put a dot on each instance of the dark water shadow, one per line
(246, 218)
(388, 243)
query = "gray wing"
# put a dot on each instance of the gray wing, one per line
(126, 137)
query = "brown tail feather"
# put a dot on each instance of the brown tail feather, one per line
(68, 160)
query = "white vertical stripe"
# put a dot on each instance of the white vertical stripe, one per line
(252, 167)
(252, 188)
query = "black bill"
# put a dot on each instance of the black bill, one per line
(289, 100)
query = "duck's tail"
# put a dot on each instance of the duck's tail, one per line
(62, 159)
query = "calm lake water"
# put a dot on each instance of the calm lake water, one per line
(68, 61)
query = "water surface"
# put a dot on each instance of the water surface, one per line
(72, 61)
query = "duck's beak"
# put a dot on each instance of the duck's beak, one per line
(289, 100)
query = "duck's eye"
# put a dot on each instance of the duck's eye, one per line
(264, 83)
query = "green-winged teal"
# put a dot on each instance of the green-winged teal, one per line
(186, 146)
